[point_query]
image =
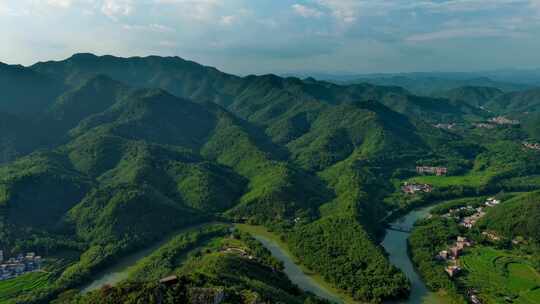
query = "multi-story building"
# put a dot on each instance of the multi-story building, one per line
(439, 171)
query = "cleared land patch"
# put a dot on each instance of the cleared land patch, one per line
(500, 276)
(9, 289)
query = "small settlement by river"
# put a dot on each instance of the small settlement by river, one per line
(467, 216)
(15, 266)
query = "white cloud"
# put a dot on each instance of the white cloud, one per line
(117, 8)
(60, 3)
(464, 5)
(461, 33)
(4, 9)
(228, 20)
(154, 27)
(306, 12)
(535, 5)
(201, 10)
(345, 11)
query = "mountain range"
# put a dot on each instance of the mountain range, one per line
(103, 155)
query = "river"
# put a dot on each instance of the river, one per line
(120, 270)
(295, 274)
(395, 244)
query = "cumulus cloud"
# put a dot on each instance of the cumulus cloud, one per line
(233, 29)
(345, 11)
(306, 12)
(117, 8)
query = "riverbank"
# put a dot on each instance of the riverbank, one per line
(298, 273)
(395, 244)
(119, 271)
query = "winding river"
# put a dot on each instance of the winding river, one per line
(395, 244)
(120, 271)
(295, 273)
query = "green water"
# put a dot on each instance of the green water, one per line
(119, 271)
(395, 244)
(295, 274)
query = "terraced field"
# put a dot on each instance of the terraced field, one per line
(9, 289)
(500, 276)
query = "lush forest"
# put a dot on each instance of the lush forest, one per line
(206, 273)
(104, 156)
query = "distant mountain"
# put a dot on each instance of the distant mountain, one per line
(530, 77)
(531, 123)
(431, 83)
(475, 96)
(517, 102)
(259, 99)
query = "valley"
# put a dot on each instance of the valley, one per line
(139, 168)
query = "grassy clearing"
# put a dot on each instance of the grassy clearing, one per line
(500, 274)
(472, 179)
(440, 297)
(261, 231)
(10, 289)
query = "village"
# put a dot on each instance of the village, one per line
(532, 146)
(497, 121)
(445, 126)
(502, 120)
(412, 188)
(16, 266)
(467, 216)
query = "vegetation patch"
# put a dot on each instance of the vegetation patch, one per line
(16, 288)
(500, 275)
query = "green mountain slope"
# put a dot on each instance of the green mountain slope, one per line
(260, 99)
(427, 84)
(137, 148)
(475, 96)
(517, 102)
(531, 123)
(518, 216)
(206, 270)
(18, 137)
(25, 91)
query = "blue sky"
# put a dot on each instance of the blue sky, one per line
(262, 36)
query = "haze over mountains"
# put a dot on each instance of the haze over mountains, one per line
(427, 83)
(103, 155)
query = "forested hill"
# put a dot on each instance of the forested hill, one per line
(517, 102)
(260, 99)
(476, 96)
(24, 91)
(104, 155)
(518, 217)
